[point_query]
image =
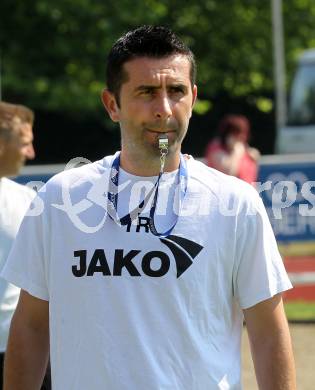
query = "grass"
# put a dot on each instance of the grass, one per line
(300, 310)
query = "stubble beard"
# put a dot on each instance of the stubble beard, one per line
(153, 151)
(145, 151)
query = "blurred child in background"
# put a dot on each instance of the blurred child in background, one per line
(230, 152)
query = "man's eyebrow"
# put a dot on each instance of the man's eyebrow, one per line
(156, 87)
(178, 85)
(147, 87)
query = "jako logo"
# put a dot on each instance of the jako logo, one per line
(183, 250)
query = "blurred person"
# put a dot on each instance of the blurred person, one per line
(135, 296)
(230, 152)
(16, 146)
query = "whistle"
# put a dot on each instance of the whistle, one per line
(163, 142)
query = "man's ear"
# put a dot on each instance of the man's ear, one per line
(194, 92)
(110, 105)
(194, 98)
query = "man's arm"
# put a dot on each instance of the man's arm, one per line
(270, 343)
(27, 353)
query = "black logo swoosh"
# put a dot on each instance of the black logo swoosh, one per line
(183, 250)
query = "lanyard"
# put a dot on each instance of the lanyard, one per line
(112, 196)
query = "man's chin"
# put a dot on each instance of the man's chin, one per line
(13, 173)
(16, 170)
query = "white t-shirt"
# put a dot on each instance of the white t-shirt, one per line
(14, 202)
(132, 311)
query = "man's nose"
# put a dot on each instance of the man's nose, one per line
(30, 152)
(163, 108)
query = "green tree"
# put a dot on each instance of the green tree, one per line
(53, 53)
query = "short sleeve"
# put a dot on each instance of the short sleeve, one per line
(26, 266)
(259, 271)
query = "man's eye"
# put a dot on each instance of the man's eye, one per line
(147, 92)
(176, 90)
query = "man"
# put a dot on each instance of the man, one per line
(16, 147)
(145, 277)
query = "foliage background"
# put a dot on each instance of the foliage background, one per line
(53, 55)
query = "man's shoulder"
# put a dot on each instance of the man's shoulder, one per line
(87, 173)
(14, 189)
(224, 187)
(199, 170)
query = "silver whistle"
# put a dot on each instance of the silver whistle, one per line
(163, 142)
(163, 146)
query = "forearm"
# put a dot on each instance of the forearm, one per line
(28, 345)
(270, 343)
(25, 359)
(274, 362)
(231, 164)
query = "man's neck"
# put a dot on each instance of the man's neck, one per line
(142, 166)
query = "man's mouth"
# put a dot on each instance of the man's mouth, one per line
(158, 132)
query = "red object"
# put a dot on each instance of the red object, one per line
(296, 265)
(247, 169)
(300, 293)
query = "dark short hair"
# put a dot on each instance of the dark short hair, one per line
(144, 41)
(9, 113)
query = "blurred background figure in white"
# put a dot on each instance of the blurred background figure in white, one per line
(16, 147)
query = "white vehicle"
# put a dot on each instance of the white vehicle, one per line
(298, 136)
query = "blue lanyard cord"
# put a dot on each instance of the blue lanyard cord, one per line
(112, 196)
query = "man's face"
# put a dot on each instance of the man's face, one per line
(157, 98)
(16, 150)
